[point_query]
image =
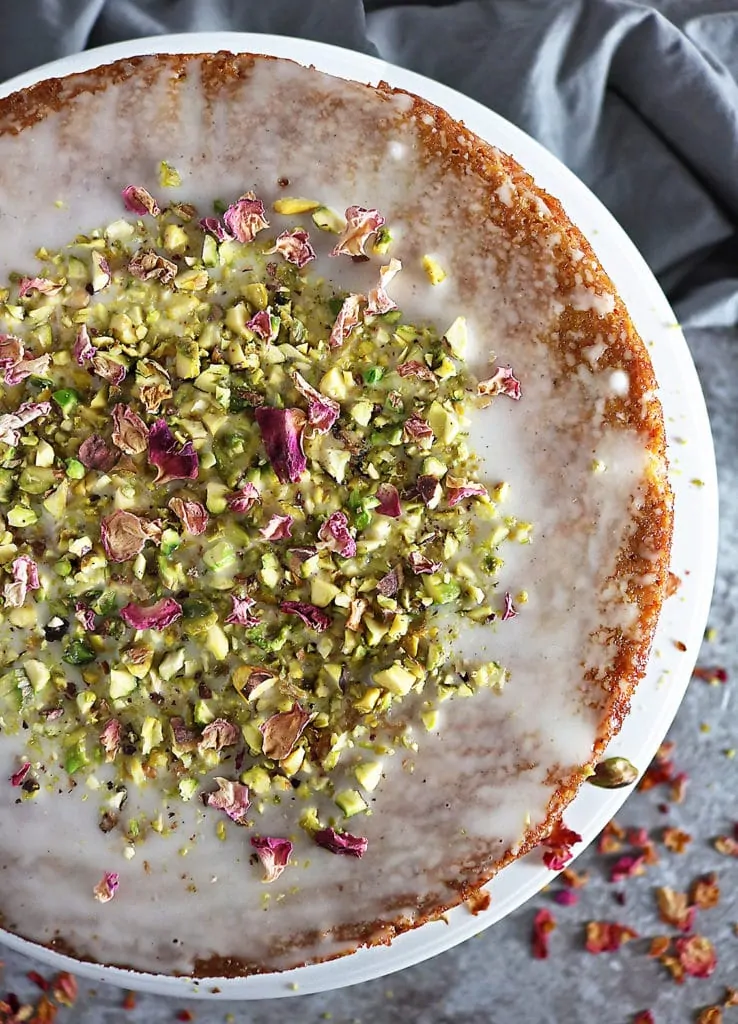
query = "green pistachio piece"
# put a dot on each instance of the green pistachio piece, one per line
(614, 773)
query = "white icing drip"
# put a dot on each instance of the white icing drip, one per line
(582, 298)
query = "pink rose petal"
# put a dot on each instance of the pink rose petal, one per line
(130, 433)
(457, 491)
(360, 224)
(12, 422)
(193, 515)
(244, 499)
(313, 617)
(282, 730)
(245, 218)
(83, 350)
(416, 369)
(347, 319)
(231, 797)
(278, 527)
(17, 778)
(240, 614)
(173, 461)
(510, 611)
(94, 453)
(334, 532)
(273, 853)
(341, 842)
(294, 246)
(219, 734)
(140, 201)
(156, 616)
(214, 227)
(124, 534)
(389, 501)
(265, 325)
(282, 433)
(322, 411)
(502, 382)
(43, 285)
(27, 367)
(107, 887)
(378, 301)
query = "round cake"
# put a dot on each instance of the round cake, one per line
(335, 520)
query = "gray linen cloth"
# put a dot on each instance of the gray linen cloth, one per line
(640, 100)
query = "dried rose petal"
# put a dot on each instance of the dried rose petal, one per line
(502, 382)
(710, 1015)
(574, 879)
(83, 350)
(240, 614)
(157, 616)
(107, 887)
(727, 845)
(231, 797)
(347, 319)
(109, 369)
(282, 730)
(697, 955)
(11, 422)
(245, 218)
(391, 583)
(416, 428)
(378, 301)
(85, 616)
(278, 527)
(559, 843)
(148, 265)
(555, 860)
(322, 412)
(173, 461)
(705, 891)
(244, 499)
(25, 577)
(17, 778)
(389, 501)
(214, 227)
(335, 534)
(714, 675)
(676, 840)
(140, 201)
(416, 369)
(64, 990)
(313, 617)
(110, 739)
(429, 490)
(341, 842)
(509, 611)
(607, 936)
(644, 1017)
(420, 564)
(566, 897)
(543, 924)
(124, 534)
(94, 453)
(627, 867)
(11, 351)
(294, 246)
(273, 853)
(265, 325)
(458, 490)
(184, 739)
(27, 367)
(154, 385)
(43, 285)
(193, 516)
(674, 908)
(282, 434)
(360, 224)
(613, 773)
(130, 433)
(219, 734)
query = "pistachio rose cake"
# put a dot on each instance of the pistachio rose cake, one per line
(334, 520)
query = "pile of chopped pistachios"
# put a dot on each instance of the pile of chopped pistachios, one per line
(239, 514)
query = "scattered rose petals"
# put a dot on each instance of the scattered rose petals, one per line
(282, 434)
(42, 285)
(509, 611)
(458, 490)
(124, 534)
(710, 1015)
(94, 453)
(282, 730)
(244, 499)
(627, 867)
(727, 845)
(674, 908)
(11, 351)
(83, 350)
(559, 843)
(219, 734)
(574, 879)
(27, 367)
(607, 936)
(264, 324)
(85, 616)
(715, 675)
(17, 778)
(192, 514)
(543, 924)
(109, 369)
(214, 227)
(294, 246)
(420, 564)
(676, 840)
(25, 577)
(156, 616)
(416, 428)
(360, 224)
(322, 411)
(110, 739)
(347, 319)
(313, 617)
(705, 891)
(240, 614)
(644, 1017)
(154, 384)
(148, 265)
(173, 461)
(107, 887)
(416, 369)
(278, 527)
(335, 534)
(696, 955)
(429, 489)
(378, 301)
(609, 840)
(130, 433)
(245, 218)
(273, 853)
(502, 382)
(566, 897)
(231, 797)
(389, 501)
(64, 989)
(341, 842)
(140, 201)
(12, 422)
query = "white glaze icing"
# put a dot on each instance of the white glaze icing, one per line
(475, 785)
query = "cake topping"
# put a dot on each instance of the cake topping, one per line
(231, 797)
(139, 200)
(502, 382)
(245, 218)
(107, 887)
(174, 461)
(281, 432)
(273, 853)
(294, 246)
(346, 320)
(361, 224)
(341, 842)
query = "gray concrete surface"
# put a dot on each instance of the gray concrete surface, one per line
(493, 978)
